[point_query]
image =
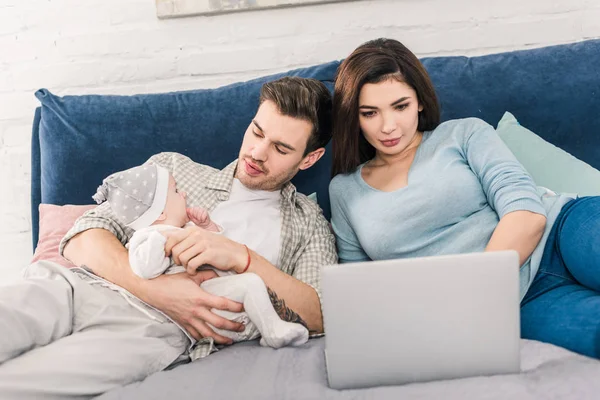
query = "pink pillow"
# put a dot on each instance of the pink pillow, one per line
(55, 222)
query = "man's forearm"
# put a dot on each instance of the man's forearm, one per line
(287, 291)
(103, 253)
(284, 312)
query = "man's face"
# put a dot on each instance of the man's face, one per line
(273, 148)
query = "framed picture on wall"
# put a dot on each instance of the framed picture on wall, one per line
(183, 8)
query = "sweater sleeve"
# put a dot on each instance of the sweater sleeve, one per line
(348, 245)
(507, 185)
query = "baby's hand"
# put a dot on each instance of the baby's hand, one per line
(199, 216)
(206, 274)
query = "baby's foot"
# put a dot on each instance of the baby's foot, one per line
(284, 334)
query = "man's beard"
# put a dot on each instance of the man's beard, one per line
(270, 183)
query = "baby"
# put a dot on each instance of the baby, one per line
(146, 199)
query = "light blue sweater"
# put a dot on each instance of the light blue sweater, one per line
(462, 181)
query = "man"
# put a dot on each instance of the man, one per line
(62, 324)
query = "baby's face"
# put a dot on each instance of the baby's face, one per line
(175, 209)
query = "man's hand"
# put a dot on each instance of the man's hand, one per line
(181, 298)
(194, 247)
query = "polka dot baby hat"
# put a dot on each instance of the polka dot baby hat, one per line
(137, 196)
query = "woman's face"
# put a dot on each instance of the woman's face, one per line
(388, 115)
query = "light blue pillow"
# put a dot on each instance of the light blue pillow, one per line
(550, 166)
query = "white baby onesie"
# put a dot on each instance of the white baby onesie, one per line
(148, 260)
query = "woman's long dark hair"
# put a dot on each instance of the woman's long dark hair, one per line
(374, 62)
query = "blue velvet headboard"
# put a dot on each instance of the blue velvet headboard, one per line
(78, 140)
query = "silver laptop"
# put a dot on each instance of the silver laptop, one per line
(421, 319)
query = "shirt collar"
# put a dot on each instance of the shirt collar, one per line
(223, 179)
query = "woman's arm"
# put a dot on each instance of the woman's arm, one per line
(507, 185)
(509, 190)
(520, 231)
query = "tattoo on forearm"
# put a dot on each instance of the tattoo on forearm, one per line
(283, 311)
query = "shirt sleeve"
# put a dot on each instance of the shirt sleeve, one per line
(507, 185)
(318, 253)
(100, 217)
(348, 245)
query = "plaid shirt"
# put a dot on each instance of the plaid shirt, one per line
(307, 243)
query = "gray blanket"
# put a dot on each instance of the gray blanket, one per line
(248, 371)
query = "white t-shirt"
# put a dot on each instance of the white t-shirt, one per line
(253, 218)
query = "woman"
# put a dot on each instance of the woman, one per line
(407, 186)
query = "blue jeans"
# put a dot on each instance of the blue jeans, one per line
(562, 306)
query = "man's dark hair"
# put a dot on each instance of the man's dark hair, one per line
(303, 98)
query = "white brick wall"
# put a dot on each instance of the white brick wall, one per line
(119, 46)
